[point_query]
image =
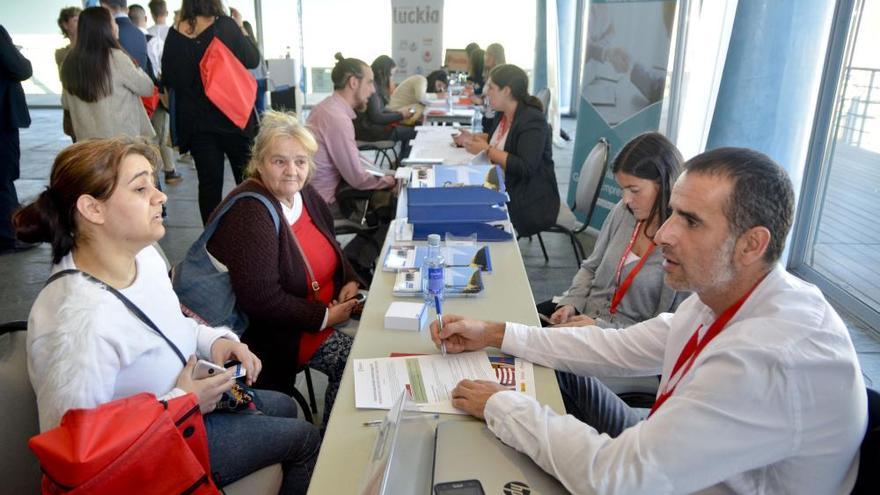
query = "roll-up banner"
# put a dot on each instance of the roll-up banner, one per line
(624, 76)
(416, 36)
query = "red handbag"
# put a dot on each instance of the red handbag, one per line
(132, 445)
(151, 103)
(228, 85)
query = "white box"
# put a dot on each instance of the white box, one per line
(406, 316)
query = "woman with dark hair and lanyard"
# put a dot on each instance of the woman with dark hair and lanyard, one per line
(621, 283)
(521, 145)
(376, 122)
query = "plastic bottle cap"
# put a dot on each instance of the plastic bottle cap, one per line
(434, 239)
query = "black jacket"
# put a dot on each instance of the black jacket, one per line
(373, 124)
(14, 69)
(529, 175)
(193, 111)
(133, 41)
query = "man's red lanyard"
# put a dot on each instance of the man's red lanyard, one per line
(694, 346)
(622, 288)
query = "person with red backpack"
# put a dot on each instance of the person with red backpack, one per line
(108, 325)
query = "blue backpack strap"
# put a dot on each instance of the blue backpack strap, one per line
(212, 227)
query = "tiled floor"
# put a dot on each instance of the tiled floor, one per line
(24, 273)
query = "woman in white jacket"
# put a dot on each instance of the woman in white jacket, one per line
(102, 213)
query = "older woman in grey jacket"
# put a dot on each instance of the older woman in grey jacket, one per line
(102, 84)
(621, 282)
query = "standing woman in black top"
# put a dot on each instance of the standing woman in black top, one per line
(202, 129)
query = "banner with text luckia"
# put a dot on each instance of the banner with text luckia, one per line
(624, 78)
(416, 36)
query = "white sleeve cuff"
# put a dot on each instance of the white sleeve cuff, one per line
(514, 338)
(208, 335)
(173, 394)
(499, 407)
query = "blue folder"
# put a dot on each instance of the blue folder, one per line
(452, 213)
(430, 196)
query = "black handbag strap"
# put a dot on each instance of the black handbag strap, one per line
(126, 301)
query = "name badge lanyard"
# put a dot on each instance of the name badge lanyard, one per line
(623, 287)
(694, 346)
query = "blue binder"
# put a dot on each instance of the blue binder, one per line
(430, 196)
(455, 213)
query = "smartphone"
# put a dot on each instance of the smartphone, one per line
(360, 297)
(207, 369)
(467, 487)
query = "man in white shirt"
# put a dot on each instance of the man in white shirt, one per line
(761, 390)
(159, 13)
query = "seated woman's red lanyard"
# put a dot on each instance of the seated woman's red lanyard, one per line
(623, 287)
(693, 347)
(317, 252)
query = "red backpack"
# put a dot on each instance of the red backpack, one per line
(132, 445)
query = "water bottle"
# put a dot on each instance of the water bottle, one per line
(433, 278)
(477, 121)
(449, 100)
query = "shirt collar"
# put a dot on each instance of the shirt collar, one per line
(293, 213)
(340, 101)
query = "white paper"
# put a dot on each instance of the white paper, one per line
(515, 374)
(378, 382)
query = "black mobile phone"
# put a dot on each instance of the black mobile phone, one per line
(466, 487)
(359, 297)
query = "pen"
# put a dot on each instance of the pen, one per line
(440, 324)
(376, 422)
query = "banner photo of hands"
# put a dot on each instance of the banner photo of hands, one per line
(626, 67)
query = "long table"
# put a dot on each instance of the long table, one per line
(347, 442)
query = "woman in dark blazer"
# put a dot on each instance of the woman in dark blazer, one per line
(521, 145)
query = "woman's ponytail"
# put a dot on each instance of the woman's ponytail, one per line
(41, 221)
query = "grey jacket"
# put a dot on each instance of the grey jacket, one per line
(121, 112)
(594, 284)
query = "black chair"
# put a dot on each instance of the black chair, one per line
(384, 149)
(308, 408)
(868, 478)
(589, 184)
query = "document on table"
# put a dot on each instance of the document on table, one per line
(514, 373)
(431, 378)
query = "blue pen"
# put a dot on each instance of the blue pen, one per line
(440, 323)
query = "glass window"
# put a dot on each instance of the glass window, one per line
(364, 32)
(843, 236)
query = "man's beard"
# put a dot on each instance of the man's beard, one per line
(720, 272)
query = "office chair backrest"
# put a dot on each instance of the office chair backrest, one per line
(544, 96)
(19, 468)
(868, 479)
(590, 179)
